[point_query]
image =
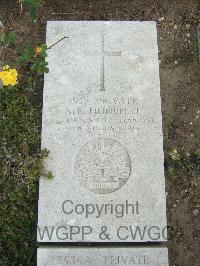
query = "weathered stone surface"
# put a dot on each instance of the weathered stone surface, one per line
(102, 124)
(102, 256)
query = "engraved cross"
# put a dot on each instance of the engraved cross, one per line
(102, 69)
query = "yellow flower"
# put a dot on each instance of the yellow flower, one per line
(9, 76)
(6, 67)
(38, 50)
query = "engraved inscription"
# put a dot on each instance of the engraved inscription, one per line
(102, 166)
(131, 259)
(103, 54)
(97, 113)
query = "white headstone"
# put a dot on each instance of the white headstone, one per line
(102, 124)
(102, 256)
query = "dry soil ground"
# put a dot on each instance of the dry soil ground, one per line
(177, 23)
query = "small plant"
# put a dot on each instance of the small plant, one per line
(197, 153)
(28, 57)
(179, 162)
(33, 6)
(171, 171)
(8, 39)
(39, 66)
(174, 155)
(34, 58)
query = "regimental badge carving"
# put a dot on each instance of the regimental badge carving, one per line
(102, 166)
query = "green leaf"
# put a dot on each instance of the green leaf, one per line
(33, 6)
(25, 53)
(44, 48)
(33, 3)
(40, 67)
(9, 38)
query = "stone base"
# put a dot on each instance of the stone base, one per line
(100, 256)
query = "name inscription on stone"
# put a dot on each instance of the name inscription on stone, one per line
(105, 260)
(102, 256)
(96, 114)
